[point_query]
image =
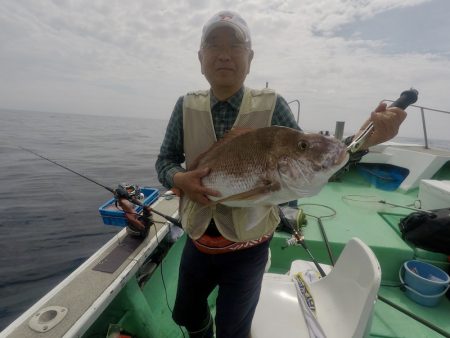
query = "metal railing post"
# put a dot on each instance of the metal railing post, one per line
(422, 112)
(424, 127)
(339, 130)
(298, 108)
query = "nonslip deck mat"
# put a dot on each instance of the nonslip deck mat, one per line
(118, 255)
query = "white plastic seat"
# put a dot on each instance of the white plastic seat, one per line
(344, 299)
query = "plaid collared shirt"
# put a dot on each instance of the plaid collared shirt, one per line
(224, 114)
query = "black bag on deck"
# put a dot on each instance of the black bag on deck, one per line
(430, 231)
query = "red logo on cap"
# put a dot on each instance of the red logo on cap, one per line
(225, 17)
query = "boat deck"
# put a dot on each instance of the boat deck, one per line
(148, 307)
(97, 299)
(357, 215)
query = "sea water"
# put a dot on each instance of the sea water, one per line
(49, 219)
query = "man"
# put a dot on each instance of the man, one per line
(218, 252)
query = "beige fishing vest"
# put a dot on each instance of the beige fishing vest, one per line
(235, 224)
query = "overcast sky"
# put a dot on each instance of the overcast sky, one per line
(135, 58)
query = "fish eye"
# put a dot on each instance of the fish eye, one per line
(303, 145)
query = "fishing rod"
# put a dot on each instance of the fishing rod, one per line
(120, 193)
(375, 199)
(73, 171)
(131, 194)
(325, 238)
(298, 238)
(404, 206)
(406, 98)
(322, 228)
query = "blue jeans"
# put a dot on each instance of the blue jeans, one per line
(239, 276)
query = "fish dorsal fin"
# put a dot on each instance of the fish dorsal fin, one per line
(229, 135)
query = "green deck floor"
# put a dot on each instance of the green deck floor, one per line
(377, 225)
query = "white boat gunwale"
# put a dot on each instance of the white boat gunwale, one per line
(101, 299)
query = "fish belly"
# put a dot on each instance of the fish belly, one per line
(230, 186)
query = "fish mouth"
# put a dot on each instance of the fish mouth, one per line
(338, 160)
(342, 157)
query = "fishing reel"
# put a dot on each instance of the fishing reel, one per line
(127, 196)
(128, 191)
(292, 221)
(134, 227)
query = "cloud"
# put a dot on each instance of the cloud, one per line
(135, 58)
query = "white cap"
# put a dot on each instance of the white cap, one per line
(227, 19)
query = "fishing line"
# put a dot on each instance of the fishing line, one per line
(135, 201)
(73, 171)
(162, 277)
(113, 191)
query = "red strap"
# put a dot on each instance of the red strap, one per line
(218, 245)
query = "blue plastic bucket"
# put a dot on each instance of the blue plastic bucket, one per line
(424, 283)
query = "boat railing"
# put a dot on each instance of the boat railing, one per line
(298, 108)
(424, 126)
(422, 112)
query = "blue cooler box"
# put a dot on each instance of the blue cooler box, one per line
(112, 216)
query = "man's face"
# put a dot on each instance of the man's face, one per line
(224, 59)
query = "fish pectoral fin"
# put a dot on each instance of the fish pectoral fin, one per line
(253, 194)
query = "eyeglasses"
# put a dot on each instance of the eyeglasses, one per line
(235, 49)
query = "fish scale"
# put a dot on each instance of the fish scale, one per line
(269, 166)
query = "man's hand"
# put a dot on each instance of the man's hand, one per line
(190, 182)
(130, 214)
(386, 123)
